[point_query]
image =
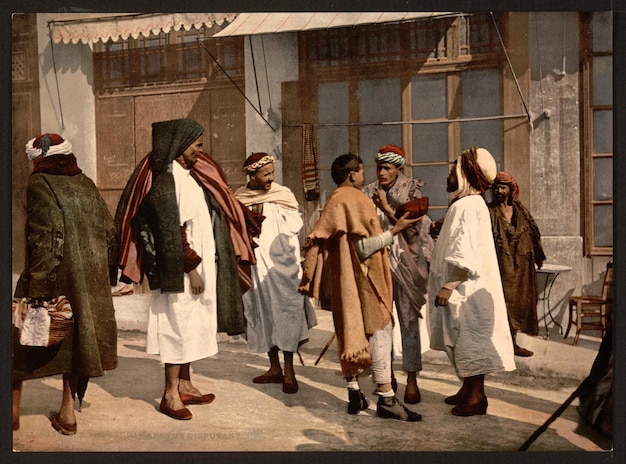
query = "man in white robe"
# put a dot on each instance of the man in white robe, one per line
(178, 254)
(278, 317)
(468, 316)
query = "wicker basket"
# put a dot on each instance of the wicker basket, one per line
(57, 309)
(59, 328)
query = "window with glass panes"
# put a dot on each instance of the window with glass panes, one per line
(159, 59)
(433, 87)
(597, 42)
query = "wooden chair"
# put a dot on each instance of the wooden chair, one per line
(591, 312)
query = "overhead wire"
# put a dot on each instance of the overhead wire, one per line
(267, 80)
(56, 77)
(256, 80)
(539, 60)
(519, 89)
(235, 84)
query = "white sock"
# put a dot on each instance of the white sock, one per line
(387, 394)
(354, 385)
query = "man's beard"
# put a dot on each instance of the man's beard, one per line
(503, 199)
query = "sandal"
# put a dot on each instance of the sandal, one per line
(123, 291)
(523, 352)
(65, 429)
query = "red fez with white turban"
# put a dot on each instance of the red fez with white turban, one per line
(47, 144)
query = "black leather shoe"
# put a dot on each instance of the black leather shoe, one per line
(390, 408)
(357, 401)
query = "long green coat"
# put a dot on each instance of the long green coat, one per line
(69, 235)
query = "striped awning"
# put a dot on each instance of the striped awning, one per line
(92, 27)
(272, 23)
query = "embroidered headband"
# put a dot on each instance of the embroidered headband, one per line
(256, 161)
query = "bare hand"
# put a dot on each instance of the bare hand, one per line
(435, 228)
(196, 282)
(443, 296)
(380, 200)
(403, 223)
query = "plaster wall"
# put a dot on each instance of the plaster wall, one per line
(275, 61)
(555, 197)
(66, 96)
(555, 137)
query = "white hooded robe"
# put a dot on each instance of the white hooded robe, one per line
(473, 328)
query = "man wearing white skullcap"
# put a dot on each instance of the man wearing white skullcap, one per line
(467, 311)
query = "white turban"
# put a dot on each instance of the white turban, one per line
(487, 164)
(57, 146)
(480, 162)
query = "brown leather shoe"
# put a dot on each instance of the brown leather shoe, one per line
(466, 410)
(412, 394)
(290, 387)
(191, 399)
(523, 352)
(454, 399)
(180, 414)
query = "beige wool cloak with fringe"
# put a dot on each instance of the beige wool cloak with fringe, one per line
(359, 294)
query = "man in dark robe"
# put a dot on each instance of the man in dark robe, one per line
(518, 245)
(70, 245)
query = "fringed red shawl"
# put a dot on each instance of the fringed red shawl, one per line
(243, 224)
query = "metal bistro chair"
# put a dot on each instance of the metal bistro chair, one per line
(591, 312)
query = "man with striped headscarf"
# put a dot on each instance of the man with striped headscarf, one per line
(409, 255)
(518, 244)
(467, 312)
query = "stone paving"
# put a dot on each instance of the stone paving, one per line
(120, 410)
